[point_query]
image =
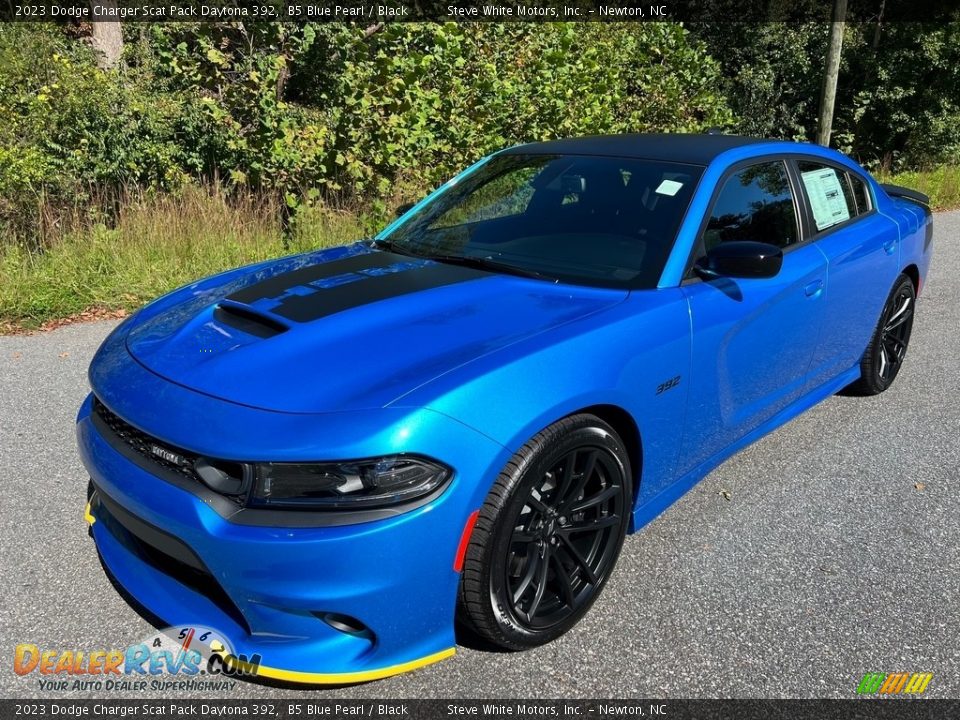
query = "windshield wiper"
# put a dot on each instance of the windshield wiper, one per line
(474, 261)
(483, 263)
(393, 247)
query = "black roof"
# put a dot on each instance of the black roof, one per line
(675, 147)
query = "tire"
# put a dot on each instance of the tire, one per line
(884, 355)
(548, 535)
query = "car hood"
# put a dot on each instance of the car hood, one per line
(343, 329)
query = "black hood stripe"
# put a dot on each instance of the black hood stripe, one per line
(279, 284)
(300, 295)
(305, 308)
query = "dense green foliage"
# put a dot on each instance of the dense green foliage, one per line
(771, 74)
(417, 102)
(322, 111)
(901, 101)
(69, 131)
(898, 97)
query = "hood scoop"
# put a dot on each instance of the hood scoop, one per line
(248, 320)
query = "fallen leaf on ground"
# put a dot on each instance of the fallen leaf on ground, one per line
(724, 493)
(90, 315)
(919, 485)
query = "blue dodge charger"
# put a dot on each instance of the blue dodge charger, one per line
(336, 458)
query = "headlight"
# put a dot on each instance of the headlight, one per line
(378, 482)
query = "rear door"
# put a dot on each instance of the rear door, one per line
(753, 339)
(860, 245)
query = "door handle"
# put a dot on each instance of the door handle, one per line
(890, 247)
(813, 289)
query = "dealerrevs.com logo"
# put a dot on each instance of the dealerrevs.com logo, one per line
(186, 657)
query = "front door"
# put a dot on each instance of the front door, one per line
(753, 339)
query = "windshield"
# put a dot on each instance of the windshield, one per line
(602, 221)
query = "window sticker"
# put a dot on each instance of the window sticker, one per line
(826, 197)
(669, 187)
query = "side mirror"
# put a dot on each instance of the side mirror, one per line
(403, 209)
(740, 259)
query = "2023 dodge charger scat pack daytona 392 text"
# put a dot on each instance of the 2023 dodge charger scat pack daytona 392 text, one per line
(330, 457)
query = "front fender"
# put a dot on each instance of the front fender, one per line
(620, 357)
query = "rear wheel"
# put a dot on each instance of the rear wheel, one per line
(548, 535)
(885, 354)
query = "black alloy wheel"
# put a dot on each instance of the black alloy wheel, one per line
(895, 333)
(548, 535)
(560, 546)
(884, 355)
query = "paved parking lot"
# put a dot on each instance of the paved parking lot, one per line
(828, 549)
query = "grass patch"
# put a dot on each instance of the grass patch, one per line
(156, 244)
(942, 184)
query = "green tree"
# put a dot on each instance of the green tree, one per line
(771, 74)
(902, 97)
(898, 97)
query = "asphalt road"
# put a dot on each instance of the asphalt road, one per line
(828, 549)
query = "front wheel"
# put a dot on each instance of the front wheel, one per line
(884, 355)
(548, 535)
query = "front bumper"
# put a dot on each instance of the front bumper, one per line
(267, 588)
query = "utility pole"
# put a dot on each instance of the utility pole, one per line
(831, 70)
(107, 36)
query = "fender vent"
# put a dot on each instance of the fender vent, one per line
(248, 320)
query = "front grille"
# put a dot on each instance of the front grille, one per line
(148, 447)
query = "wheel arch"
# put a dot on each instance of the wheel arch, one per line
(913, 272)
(626, 427)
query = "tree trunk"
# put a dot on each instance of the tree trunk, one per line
(107, 37)
(830, 72)
(876, 32)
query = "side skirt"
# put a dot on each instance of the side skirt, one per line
(660, 502)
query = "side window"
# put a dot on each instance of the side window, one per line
(860, 194)
(828, 189)
(754, 204)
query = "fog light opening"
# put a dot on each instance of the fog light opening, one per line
(346, 624)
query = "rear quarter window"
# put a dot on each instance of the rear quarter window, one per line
(860, 194)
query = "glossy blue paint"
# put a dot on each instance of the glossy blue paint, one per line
(753, 342)
(464, 373)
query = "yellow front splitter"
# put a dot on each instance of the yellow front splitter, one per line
(349, 678)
